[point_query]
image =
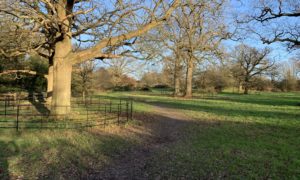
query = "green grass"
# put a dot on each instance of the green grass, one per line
(235, 136)
(232, 136)
(56, 154)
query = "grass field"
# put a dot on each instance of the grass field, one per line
(230, 136)
(234, 136)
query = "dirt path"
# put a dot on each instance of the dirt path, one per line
(166, 126)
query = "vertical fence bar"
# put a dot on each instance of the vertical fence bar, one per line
(118, 114)
(5, 106)
(104, 115)
(131, 110)
(87, 116)
(17, 123)
(41, 115)
(120, 108)
(127, 109)
(110, 104)
(99, 104)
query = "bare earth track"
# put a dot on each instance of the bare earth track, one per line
(166, 125)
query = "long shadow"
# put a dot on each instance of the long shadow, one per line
(231, 112)
(266, 99)
(228, 112)
(273, 101)
(150, 161)
(7, 150)
(112, 156)
(39, 104)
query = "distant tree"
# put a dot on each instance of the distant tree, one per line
(288, 71)
(251, 62)
(214, 78)
(194, 30)
(103, 79)
(203, 29)
(152, 79)
(82, 78)
(119, 68)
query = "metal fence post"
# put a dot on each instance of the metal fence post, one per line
(87, 116)
(104, 115)
(110, 104)
(118, 114)
(17, 123)
(120, 107)
(99, 104)
(5, 106)
(131, 110)
(127, 109)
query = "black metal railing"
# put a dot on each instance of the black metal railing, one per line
(31, 113)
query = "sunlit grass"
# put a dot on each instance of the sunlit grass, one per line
(231, 136)
(235, 136)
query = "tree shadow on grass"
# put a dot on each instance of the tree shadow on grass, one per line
(166, 147)
(39, 104)
(233, 150)
(233, 111)
(7, 149)
(61, 154)
(272, 101)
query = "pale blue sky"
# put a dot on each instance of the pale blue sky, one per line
(238, 8)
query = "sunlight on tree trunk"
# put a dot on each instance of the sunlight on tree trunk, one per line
(189, 80)
(176, 78)
(50, 84)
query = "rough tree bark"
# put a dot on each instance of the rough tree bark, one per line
(57, 24)
(50, 81)
(62, 68)
(246, 85)
(177, 77)
(64, 58)
(189, 79)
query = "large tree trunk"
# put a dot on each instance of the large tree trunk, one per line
(61, 99)
(50, 84)
(62, 67)
(246, 89)
(176, 78)
(246, 86)
(189, 79)
(62, 74)
(83, 96)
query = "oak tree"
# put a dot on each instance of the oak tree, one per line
(55, 24)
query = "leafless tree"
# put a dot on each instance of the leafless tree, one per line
(193, 31)
(251, 62)
(203, 30)
(279, 21)
(54, 24)
(84, 72)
